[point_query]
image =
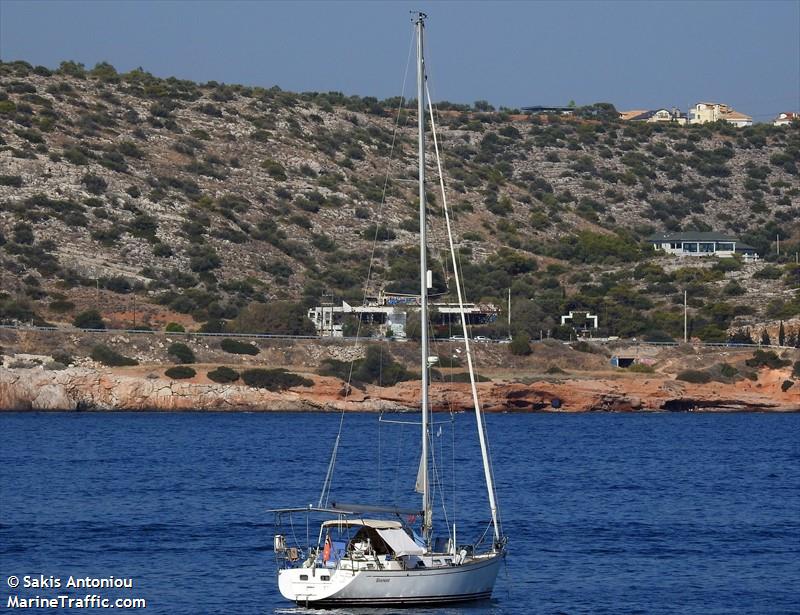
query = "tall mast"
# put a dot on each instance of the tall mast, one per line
(423, 275)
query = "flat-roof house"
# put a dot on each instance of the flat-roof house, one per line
(693, 243)
(784, 119)
(704, 112)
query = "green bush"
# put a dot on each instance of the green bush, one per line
(94, 183)
(766, 358)
(108, 356)
(90, 319)
(520, 345)
(694, 376)
(378, 367)
(728, 370)
(174, 327)
(62, 357)
(379, 233)
(464, 377)
(180, 372)
(583, 346)
(275, 317)
(61, 305)
(275, 169)
(236, 347)
(641, 368)
(796, 369)
(769, 272)
(181, 352)
(11, 180)
(223, 375)
(274, 379)
(786, 385)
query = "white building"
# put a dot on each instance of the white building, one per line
(784, 119)
(704, 112)
(388, 313)
(702, 244)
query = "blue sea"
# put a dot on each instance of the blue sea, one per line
(605, 513)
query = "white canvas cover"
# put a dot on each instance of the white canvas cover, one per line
(400, 542)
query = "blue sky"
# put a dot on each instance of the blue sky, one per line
(633, 54)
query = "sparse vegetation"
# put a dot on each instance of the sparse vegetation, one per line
(520, 345)
(90, 319)
(582, 206)
(236, 347)
(273, 379)
(181, 353)
(110, 357)
(223, 375)
(766, 358)
(694, 376)
(180, 372)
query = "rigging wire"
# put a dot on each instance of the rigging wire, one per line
(476, 401)
(459, 272)
(326, 487)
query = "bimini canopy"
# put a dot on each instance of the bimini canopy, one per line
(376, 524)
(400, 542)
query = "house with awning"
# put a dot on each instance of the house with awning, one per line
(695, 243)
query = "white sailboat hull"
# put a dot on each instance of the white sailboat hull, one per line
(473, 580)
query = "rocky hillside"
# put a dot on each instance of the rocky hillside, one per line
(167, 200)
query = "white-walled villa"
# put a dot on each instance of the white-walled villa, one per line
(702, 244)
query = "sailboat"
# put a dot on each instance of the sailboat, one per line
(369, 555)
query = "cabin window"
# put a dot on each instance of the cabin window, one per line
(690, 247)
(370, 566)
(706, 247)
(304, 577)
(675, 245)
(725, 247)
(324, 577)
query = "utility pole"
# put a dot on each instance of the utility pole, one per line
(134, 310)
(509, 313)
(778, 240)
(685, 320)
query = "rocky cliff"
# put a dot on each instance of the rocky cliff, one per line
(87, 389)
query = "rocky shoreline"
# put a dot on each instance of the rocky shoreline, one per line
(92, 389)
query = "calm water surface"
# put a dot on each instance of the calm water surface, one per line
(656, 513)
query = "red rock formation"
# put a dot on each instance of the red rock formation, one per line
(88, 389)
